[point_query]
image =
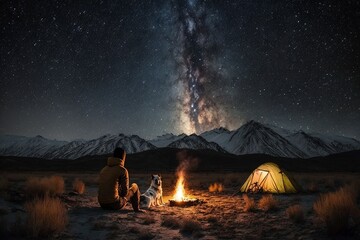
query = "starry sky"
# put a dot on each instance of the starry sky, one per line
(81, 69)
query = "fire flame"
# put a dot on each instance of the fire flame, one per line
(180, 190)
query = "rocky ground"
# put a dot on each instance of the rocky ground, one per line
(221, 216)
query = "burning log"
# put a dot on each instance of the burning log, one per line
(187, 202)
(180, 199)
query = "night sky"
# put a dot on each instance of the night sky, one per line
(84, 69)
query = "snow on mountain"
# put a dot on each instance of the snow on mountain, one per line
(218, 135)
(102, 145)
(45, 148)
(8, 140)
(254, 137)
(195, 142)
(339, 143)
(30, 146)
(311, 145)
(166, 139)
(64, 151)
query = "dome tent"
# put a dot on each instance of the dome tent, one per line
(268, 177)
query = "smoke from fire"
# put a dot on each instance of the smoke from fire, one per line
(186, 163)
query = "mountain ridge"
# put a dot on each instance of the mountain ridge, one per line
(250, 138)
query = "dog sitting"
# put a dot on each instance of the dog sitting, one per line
(152, 196)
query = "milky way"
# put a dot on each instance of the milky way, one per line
(198, 75)
(81, 69)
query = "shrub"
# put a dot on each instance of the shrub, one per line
(40, 187)
(295, 213)
(216, 187)
(336, 208)
(45, 216)
(249, 203)
(268, 203)
(78, 186)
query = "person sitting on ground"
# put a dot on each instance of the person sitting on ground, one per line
(114, 191)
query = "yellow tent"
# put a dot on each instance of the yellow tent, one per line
(268, 177)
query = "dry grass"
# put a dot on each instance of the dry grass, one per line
(336, 209)
(148, 219)
(40, 187)
(249, 203)
(216, 187)
(190, 227)
(268, 203)
(78, 186)
(146, 236)
(45, 216)
(295, 213)
(170, 222)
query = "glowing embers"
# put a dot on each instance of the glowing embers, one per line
(180, 199)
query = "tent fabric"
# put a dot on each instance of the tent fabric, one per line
(268, 177)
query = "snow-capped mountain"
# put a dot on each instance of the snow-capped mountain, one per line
(311, 145)
(28, 146)
(339, 143)
(166, 139)
(195, 142)
(254, 137)
(106, 144)
(251, 138)
(45, 148)
(217, 135)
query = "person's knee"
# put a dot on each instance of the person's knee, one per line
(134, 187)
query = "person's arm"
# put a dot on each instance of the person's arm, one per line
(124, 183)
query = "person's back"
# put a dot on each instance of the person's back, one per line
(114, 189)
(109, 184)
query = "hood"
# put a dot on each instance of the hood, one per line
(113, 161)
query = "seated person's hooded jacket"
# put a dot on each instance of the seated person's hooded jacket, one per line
(113, 182)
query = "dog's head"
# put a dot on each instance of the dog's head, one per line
(156, 180)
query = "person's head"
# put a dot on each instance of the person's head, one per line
(120, 153)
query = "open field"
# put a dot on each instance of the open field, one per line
(167, 159)
(222, 216)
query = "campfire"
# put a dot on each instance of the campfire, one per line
(180, 199)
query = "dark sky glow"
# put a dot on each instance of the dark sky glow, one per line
(80, 70)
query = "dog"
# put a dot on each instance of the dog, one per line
(153, 196)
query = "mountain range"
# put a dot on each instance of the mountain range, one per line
(251, 138)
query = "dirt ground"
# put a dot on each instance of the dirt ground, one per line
(221, 216)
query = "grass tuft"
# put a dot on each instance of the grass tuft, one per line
(45, 217)
(190, 227)
(216, 187)
(148, 219)
(336, 209)
(249, 203)
(295, 213)
(268, 203)
(170, 222)
(46, 186)
(78, 186)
